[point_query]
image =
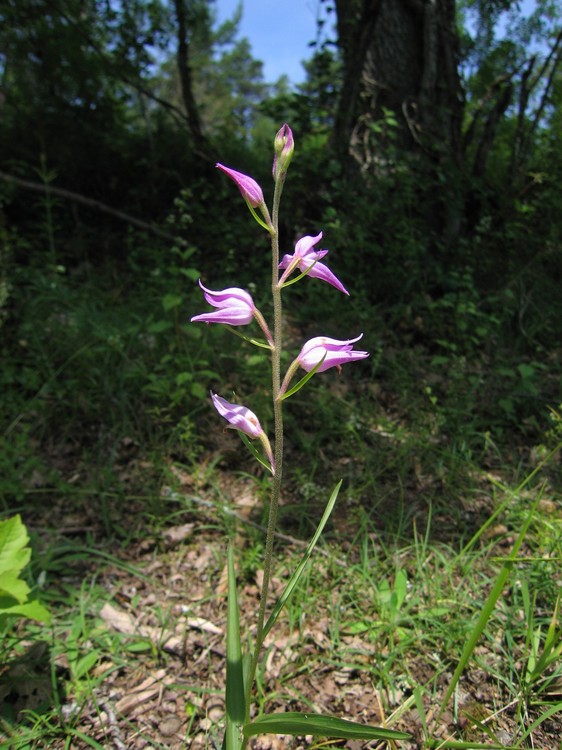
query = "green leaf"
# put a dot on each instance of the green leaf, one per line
(31, 610)
(235, 701)
(458, 745)
(289, 588)
(191, 273)
(294, 722)
(14, 555)
(170, 301)
(83, 665)
(197, 391)
(488, 608)
(303, 380)
(13, 587)
(159, 326)
(254, 451)
(255, 342)
(400, 587)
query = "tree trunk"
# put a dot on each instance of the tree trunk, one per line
(402, 93)
(184, 70)
(400, 58)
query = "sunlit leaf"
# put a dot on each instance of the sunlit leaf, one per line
(296, 723)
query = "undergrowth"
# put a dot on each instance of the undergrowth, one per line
(98, 452)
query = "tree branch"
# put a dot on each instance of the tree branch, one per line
(37, 187)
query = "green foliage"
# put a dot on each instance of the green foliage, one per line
(14, 591)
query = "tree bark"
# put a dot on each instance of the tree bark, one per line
(184, 70)
(356, 21)
(400, 57)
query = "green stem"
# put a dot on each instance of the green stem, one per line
(278, 443)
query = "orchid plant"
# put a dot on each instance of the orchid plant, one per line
(235, 307)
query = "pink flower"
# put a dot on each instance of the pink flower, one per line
(249, 188)
(334, 352)
(239, 417)
(304, 257)
(235, 307)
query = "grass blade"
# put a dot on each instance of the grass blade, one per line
(488, 608)
(554, 709)
(294, 722)
(289, 588)
(460, 745)
(235, 708)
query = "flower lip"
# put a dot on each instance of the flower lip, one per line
(249, 188)
(240, 417)
(333, 352)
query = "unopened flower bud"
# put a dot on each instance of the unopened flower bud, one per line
(284, 146)
(249, 188)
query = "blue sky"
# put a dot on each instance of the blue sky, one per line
(279, 32)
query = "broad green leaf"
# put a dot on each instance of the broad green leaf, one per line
(13, 586)
(289, 588)
(235, 702)
(294, 722)
(31, 610)
(83, 665)
(14, 555)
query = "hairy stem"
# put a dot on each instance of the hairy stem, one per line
(278, 444)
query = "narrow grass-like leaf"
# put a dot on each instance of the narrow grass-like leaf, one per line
(254, 451)
(87, 740)
(301, 275)
(459, 745)
(488, 608)
(296, 723)
(289, 588)
(421, 710)
(551, 711)
(552, 648)
(508, 501)
(235, 708)
(304, 380)
(255, 342)
(260, 221)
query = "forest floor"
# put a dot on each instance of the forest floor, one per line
(136, 655)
